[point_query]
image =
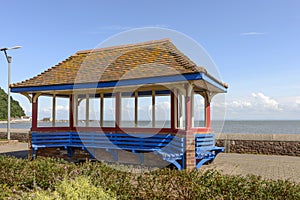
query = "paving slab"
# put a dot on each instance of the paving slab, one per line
(13, 147)
(267, 166)
(17, 149)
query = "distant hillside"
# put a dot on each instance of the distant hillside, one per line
(16, 109)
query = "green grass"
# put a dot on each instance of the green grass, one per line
(57, 179)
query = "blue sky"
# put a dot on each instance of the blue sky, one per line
(255, 44)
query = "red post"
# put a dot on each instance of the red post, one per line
(34, 113)
(188, 115)
(190, 161)
(207, 113)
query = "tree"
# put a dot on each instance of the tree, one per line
(16, 110)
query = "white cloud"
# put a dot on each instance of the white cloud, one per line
(292, 103)
(264, 101)
(258, 105)
(240, 104)
(257, 101)
(62, 108)
(253, 33)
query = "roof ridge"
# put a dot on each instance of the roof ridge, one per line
(125, 45)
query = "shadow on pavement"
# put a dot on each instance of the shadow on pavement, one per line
(18, 154)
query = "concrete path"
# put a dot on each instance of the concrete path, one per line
(18, 149)
(4, 147)
(267, 166)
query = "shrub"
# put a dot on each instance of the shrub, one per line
(46, 177)
(78, 189)
(43, 173)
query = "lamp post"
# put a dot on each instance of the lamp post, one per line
(8, 58)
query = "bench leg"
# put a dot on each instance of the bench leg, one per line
(201, 162)
(92, 153)
(70, 152)
(33, 154)
(215, 154)
(175, 163)
(179, 167)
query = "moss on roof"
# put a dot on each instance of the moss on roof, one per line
(134, 61)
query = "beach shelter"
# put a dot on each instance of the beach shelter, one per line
(136, 99)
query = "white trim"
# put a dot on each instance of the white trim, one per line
(53, 109)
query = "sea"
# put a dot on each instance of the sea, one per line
(228, 126)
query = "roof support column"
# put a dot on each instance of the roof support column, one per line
(207, 114)
(173, 109)
(188, 106)
(75, 111)
(118, 110)
(34, 111)
(180, 110)
(87, 110)
(101, 109)
(190, 162)
(153, 108)
(71, 109)
(207, 98)
(136, 94)
(192, 109)
(53, 110)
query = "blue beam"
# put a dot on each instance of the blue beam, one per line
(213, 82)
(142, 81)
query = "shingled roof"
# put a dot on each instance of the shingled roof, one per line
(150, 59)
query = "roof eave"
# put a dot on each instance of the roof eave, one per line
(128, 82)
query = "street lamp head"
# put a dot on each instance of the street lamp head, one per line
(15, 47)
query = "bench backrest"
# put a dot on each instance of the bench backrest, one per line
(59, 138)
(145, 142)
(204, 142)
(171, 143)
(124, 141)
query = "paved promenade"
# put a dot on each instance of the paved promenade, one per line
(14, 149)
(267, 166)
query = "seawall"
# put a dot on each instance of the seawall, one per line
(269, 144)
(15, 134)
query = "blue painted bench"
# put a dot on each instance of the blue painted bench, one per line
(52, 139)
(169, 147)
(137, 143)
(205, 151)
